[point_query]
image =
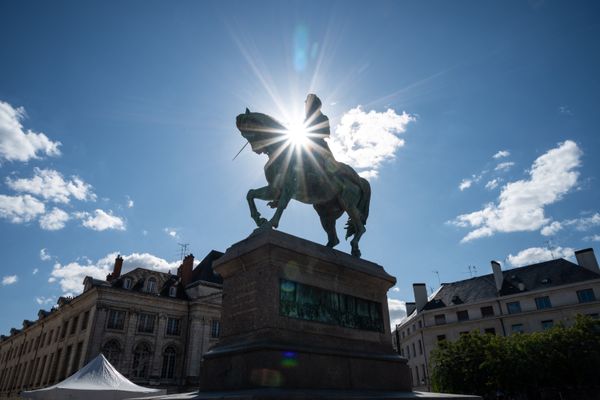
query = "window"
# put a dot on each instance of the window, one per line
(168, 366)
(173, 326)
(517, 328)
(513, 307)
(420, 347)
(127, 283)
(424, 372)
(586, 295)
(172, 291)
(74, 325)
(463, 333)
(462, 315)
(146, 323)
(63, 331)
(440, 319)
(417, 372)
(84, 320)
(420, 324)
(116, 319)
(112, 352)
(215, 328)
(542, 302)
(50, 337)
(141, 361)
(491, 331)
(77, 358)
(441, 338)
(593, 315)
(547, 324)
(151, 286)
(487, 311)
(414, 351)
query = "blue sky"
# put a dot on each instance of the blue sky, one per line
(476, 122)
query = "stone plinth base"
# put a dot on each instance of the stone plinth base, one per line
(279, 394)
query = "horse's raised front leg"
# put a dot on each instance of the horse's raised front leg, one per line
(263, 193)
(283, 201)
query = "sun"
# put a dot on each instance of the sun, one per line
(297, 134)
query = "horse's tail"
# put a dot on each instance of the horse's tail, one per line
(363, 206)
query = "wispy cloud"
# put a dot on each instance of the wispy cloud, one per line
(365, 140)
(9, 280)
(45, 300)
(581, 224)
(54, 220)
(504, 166)
(51, 185)
(101, 220)
(17, 144)
(520, 205)
(20, 209)
(397, 310)
(501, 154)
(492, 184)
(44, 255)
(535, 255)
(130, 202)
(172, 232)
(465, 184)
(552, 229)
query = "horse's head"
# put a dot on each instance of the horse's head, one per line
(262, 131)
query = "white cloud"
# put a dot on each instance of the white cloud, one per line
(593, 238)
(172, 232)
(397, 310)
(504, 166)
(501, 154)
(144, 232)
(44, 255)
(535, 255)
(465, 184)
(18, 145)
(552, 229)
(365, 140)
(585, 223)
(101, 220)
(9, 280)
(520, 205)
(70, 276)
(51, 185)
(35, 271)
(45, 300)
(54, 220)
(130, 203)
(493, 184)
(396, 289)
(20, 209)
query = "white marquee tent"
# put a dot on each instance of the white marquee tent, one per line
(97, 380)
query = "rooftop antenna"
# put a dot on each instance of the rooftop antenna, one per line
(183, 247)
(550, 247)
(437, 273)
(474, 270)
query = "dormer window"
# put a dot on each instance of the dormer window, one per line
(127, 283)
(151, 287)
(172, 291)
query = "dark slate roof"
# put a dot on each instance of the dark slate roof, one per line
(204, 270)
(531, 277)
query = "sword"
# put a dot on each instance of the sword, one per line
(238, 153)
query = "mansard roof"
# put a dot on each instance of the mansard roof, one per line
(544, 275)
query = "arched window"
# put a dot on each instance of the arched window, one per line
(112, 352)
(151, 286)
(141, 361)
(168, 365)
(127, 283)
(173, 291)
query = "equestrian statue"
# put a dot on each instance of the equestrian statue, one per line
(307, 171)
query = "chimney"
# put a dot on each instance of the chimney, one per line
(116, 269)
(587, 259)
(410, 307)
(420, 291)
(498, 276)
(185, 270)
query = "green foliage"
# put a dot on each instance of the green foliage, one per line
(558, 360)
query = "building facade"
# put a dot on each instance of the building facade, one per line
(526, 299)
(153, 327)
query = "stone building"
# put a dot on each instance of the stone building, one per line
(526, 299)
(152, 326)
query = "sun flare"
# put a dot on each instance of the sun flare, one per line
(297, 134)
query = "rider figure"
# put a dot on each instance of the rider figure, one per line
(316, 123)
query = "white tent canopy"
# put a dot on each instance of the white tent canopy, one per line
(97, 380)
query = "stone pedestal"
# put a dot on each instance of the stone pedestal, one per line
(302, 321)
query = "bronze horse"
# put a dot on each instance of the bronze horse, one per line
(309, 174)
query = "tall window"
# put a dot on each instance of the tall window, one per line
(173, 326)
(487, 311)
(440, 319)
(168, 366)
(513, 307)
(215, 328)
(127, 283)
(146, 323)
(112, 351)
(116, 319)
(173, 291)
(84, 320)
(63, 331)
(542, 302)
(141, 361)
(585, 295)
(151, 285)
(74, 325)
(462, 315)
(517, 328)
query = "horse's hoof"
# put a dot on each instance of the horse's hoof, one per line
(261, 221)
(333, 244)
(356, 252)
